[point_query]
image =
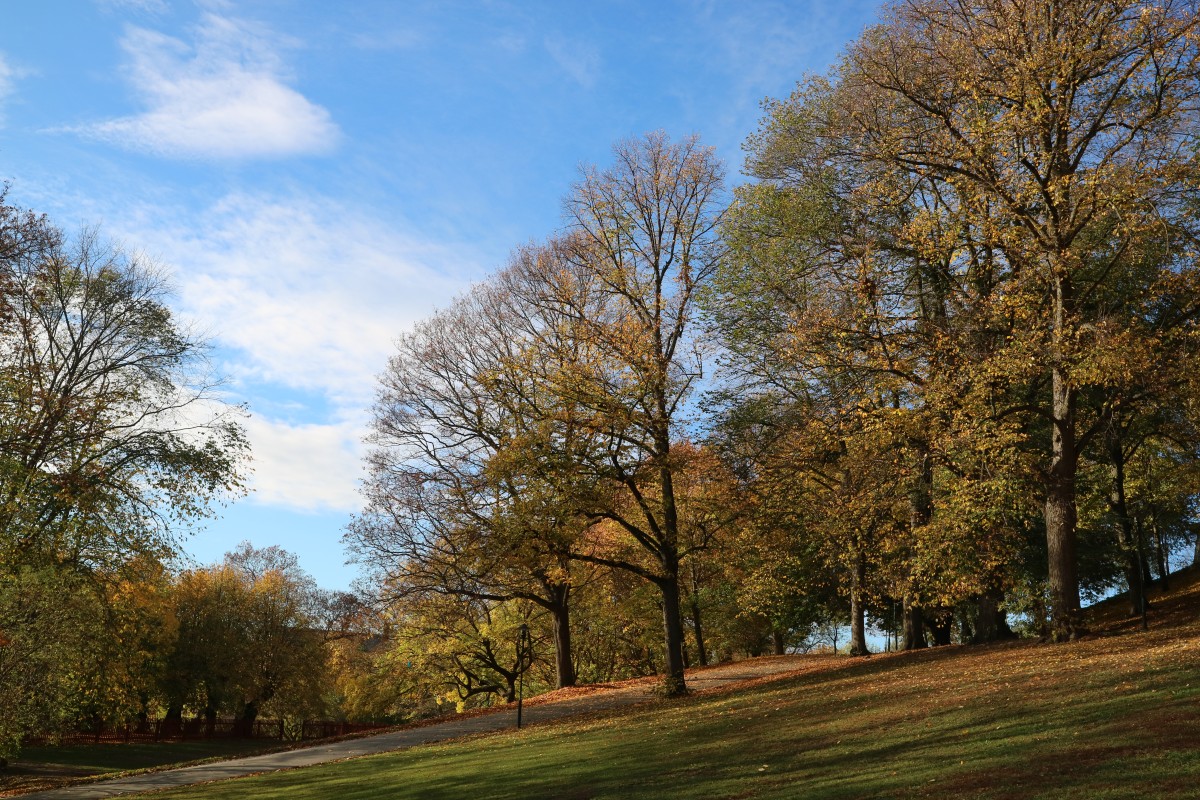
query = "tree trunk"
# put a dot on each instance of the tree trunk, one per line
(1160, 554)
(858, 611)
(914, 627)
(1143, 573)
(171, 724)
(965, 632)
(941, 626)
(563, 660)
(1143, 558)
(991, 623)
(779, 642)
(920, 511)
(1065, 622)
(210, 720)
(1125, 532)
(701, 652)
(245, 725)
(673, 682)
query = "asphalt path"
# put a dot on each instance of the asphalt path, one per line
(598, 699)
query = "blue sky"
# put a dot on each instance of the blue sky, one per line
(317, 176)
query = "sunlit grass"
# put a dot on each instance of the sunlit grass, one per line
(1115, 716)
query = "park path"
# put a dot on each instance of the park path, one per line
(595, 699)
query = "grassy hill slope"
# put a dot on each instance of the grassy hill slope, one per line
(1116, 715)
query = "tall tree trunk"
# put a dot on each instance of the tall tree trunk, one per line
(210, 720)
(941, 626)
(1143, 572)
(564, 663)
(673, 682)
(1125, 532)
(991, 624)
(914, 626)
(858, 610)
(245, 725)
(172, 724)
(966, 633)
(698, 630)
(1065, 622)
(920, 511)
(779, 642)
(1160, 555)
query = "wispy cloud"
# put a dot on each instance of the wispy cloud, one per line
(304, 297)
(311, 292)
(578, 59)
(224, 96)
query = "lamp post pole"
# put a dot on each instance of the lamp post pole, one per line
(524, 656)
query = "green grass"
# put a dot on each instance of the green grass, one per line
(1114, 716)
(832, 735)
(101, 758)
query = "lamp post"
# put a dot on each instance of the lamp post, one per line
(524, 656)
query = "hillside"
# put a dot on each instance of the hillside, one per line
(1116, 715)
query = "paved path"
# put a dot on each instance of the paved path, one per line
(600, 699)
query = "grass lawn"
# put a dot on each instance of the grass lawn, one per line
(1114, 716)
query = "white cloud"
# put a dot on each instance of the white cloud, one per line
(305, 297)
(305, 467)
(223, 97)
(579, 60)
(311, 293)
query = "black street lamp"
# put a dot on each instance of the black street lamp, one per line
(524, 658)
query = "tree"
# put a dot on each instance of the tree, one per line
(640, 242)
(46, 623)
(466, 495)
(111, 432)
(823, 367)
(112, 439)
(77, 653)
(465, 650)
(1062, 136)
(711, 507)
(246, 638)
(1006, 187)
